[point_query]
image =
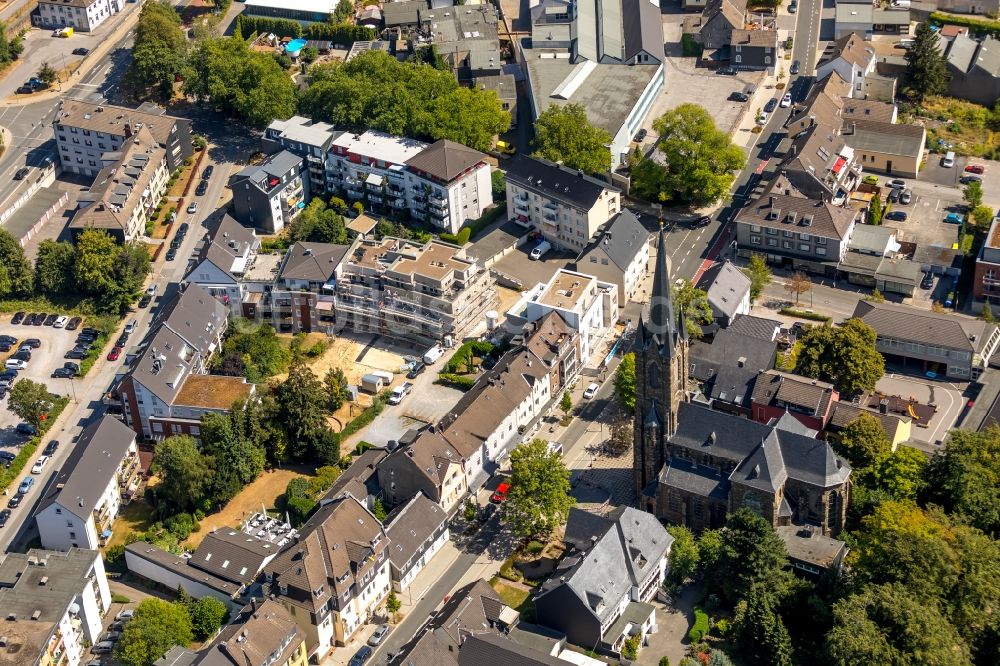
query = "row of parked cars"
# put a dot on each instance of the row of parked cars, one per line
(46, 319)
(85, 341)
(174, 246)
(106, 644)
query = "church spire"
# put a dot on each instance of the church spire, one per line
(662, 323)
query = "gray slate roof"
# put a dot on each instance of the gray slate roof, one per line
(719, 366)
(555, 181)
(446, 160)
(726, 286)
(621, 240)
(493, 650)
(410, 527)
(642, 28)
(276, 165)
(755, 327)
(905, 323)
(90, 467)
(233, 555)
(313, 262)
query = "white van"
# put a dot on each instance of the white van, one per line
(40, 464)
(540, 250)
(949, 159)
(433, 354)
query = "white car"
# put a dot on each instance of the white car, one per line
(786, 101)
(16, 364)
(591, 391)
(762, 118)
(60, 321)
(40, 465)
(125, 614)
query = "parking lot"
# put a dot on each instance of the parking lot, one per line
(519, 265)
(925, 223)
(48, 356)
(945, 396)
(426, 403)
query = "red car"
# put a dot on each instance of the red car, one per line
(501, 493)
(114, 354)
(975, 168)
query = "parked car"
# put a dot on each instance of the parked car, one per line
(17, 318)
(51, 319)
(40, 318)
(897, 184)
(16, 363)
(739, 97)
(39, 465)
(975, 168)
(15, 501)
(906, 197)
(4, 516)
(26, 485)
(62, 373)
(28, 320)
(793, 7)
(702, 221)
(34, 343)
(207, 172)
(965, 180)
(76, 353)
(928, 280)
(953, 218)
(73, 323)
(771, 105)
(539, 251)
(399, 393)
(60, 321)
(183, 229)
(728, 70)
(417, 368)
(8, 339)
(786, 100)
(87, 330)
(591, 391)
(104, 647)
(112, 636)
(762, 118)
(794, 69)
(145, 300)
(894, 195)
(201, 189)
(640, 136)
(69, 365)
(125, 614)
(361, 656)
(51, 447)
(501, 493)
(171, 254)
(114, 353)
(379, 634)
(26, 429)
(192, 208)
(81, 51)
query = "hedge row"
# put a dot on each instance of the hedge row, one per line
(977, 26)
(344, 33)
(701, 626)
(366, 416)
(456, 381)
(805, 314)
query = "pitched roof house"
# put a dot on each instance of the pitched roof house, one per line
(808, 400)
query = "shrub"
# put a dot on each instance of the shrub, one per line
(805, 314)
(119, 598)
(114, 554)
(700, 628)
(461, 238)
(180, 525)
(455, 381)
(535, 547)
(722, 627)
(630, 649)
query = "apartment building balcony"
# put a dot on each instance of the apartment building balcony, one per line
(395, 189)
(398, 203)
(376, 198)
(437, 197)
(351, 180)
(355, 191)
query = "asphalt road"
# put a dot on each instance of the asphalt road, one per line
(805, 44)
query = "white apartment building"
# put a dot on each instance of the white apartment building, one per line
(223, 263)
(53, 604)
(416, 532)
(130, 183)
(564, 205)
(445, 183)
(81, 15)
(100, 474)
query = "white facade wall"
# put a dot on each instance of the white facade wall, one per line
(173, 580)
(217, 283)
(406, 577)
(635, 272)
(56, 14)
(59, 529)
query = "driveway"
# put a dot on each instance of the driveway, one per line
(520, 266)
(947, 397)
(426, 403)
(674, 621)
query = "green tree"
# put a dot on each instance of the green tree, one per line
(751, 553)
(185, 474)
(566, 403)
(426, 103)
(760, 276)
(973, 194)
(926, 67)
(335, 382)
(700, 160)
(498, 185)
(30, 400)
(208, 614)
(798, 284)
(111, 273)
(159, 52)
(429, 55)
(235, 442)
(564, 134)
(343, 11)
(302, 403)
(900, 473)
(693, 302)
(845, 356)
(760, 633)
(863, 441)
(624, 382)
(986, 314)
(982, 216)
(252, 350)
(15, 270)
(392, 603)
(683, 557)
(965, 478)
(875, 212)
(378, 510)
(885, 624)
(54, 267)
(630, 649)
(156, 627)
(47, 73)
(539, 499)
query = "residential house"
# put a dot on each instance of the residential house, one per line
(128, 187)
(720, 18)
(618, 254)
(756, 327)
(726, 369)
(84, 131)
(975, 69)
(808, 400)
(101, 473)
(600, 591)
(811, 553)
(417, 531)
(898, 429)
(473, 610)
(261, 634)
(307, 138)
(556, 345)
(360, 479)
(166, 390)
(852, 58)
(301, 295)
(889, 148)
(588, 306)
(874, 259)
(53, 604)
(565, 206)
(867, 20)
(81, 15)
(821, 164)
(424, 293)
(986, 283)
(334, 576)
(728, 292)
(224, 565)
(949, 345)
(430, 466)
(754, 50)
(224, 261)
(497, 650)
(269, 195)
(805, 234)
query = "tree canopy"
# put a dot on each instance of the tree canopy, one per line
(159, 52)
(625, 382)
(845, 356)
(156, 627)
(54, 267)
(15, 270)
(693, 302)
(110, 273)
(563, 134)
(30, 400)
(376, 91)
(698, 160)
(863, 441)
(185, 473)
(318, 224)
(965, 478)
(926, 67)
(302, 404)
(750, 553)
(539, 499)
(760, 275)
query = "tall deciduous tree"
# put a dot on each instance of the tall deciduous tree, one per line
(335, 382)
(760, 276)
(926, 67)
(798, 284)
(15, 271)
(54, 267)
(539, 499)
(111, 273)
(863, 441)
(185, 474)
(625, 382)
(159, 53)
(683, 554)
(302, 402)
(30, 400)
(973, 194)
(235, 445)
(965, 478)
(874, 214)
(207, 615)
(47, 73)
(699, 160)
(156, 626)
(563, 134)
(900, 473)
(845, 356)
(751, 553)
(693, 302)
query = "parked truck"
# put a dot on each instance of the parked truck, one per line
(433, 354)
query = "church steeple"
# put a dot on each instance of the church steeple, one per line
(662, 322)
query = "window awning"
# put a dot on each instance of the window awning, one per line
(374, 179)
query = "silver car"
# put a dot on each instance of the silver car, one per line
(379, 635)
(104, 647)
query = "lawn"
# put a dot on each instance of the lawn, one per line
(511, 596)
(137, 516)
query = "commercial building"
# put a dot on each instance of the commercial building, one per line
(334, 576)
(565, 206)
(101, 474)
(128, 187)
(85, 131)
(425, 293)
(53, 605)
(269, 196)
(81, 15)
(618, 254)
(875, 259)
(948, 345)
